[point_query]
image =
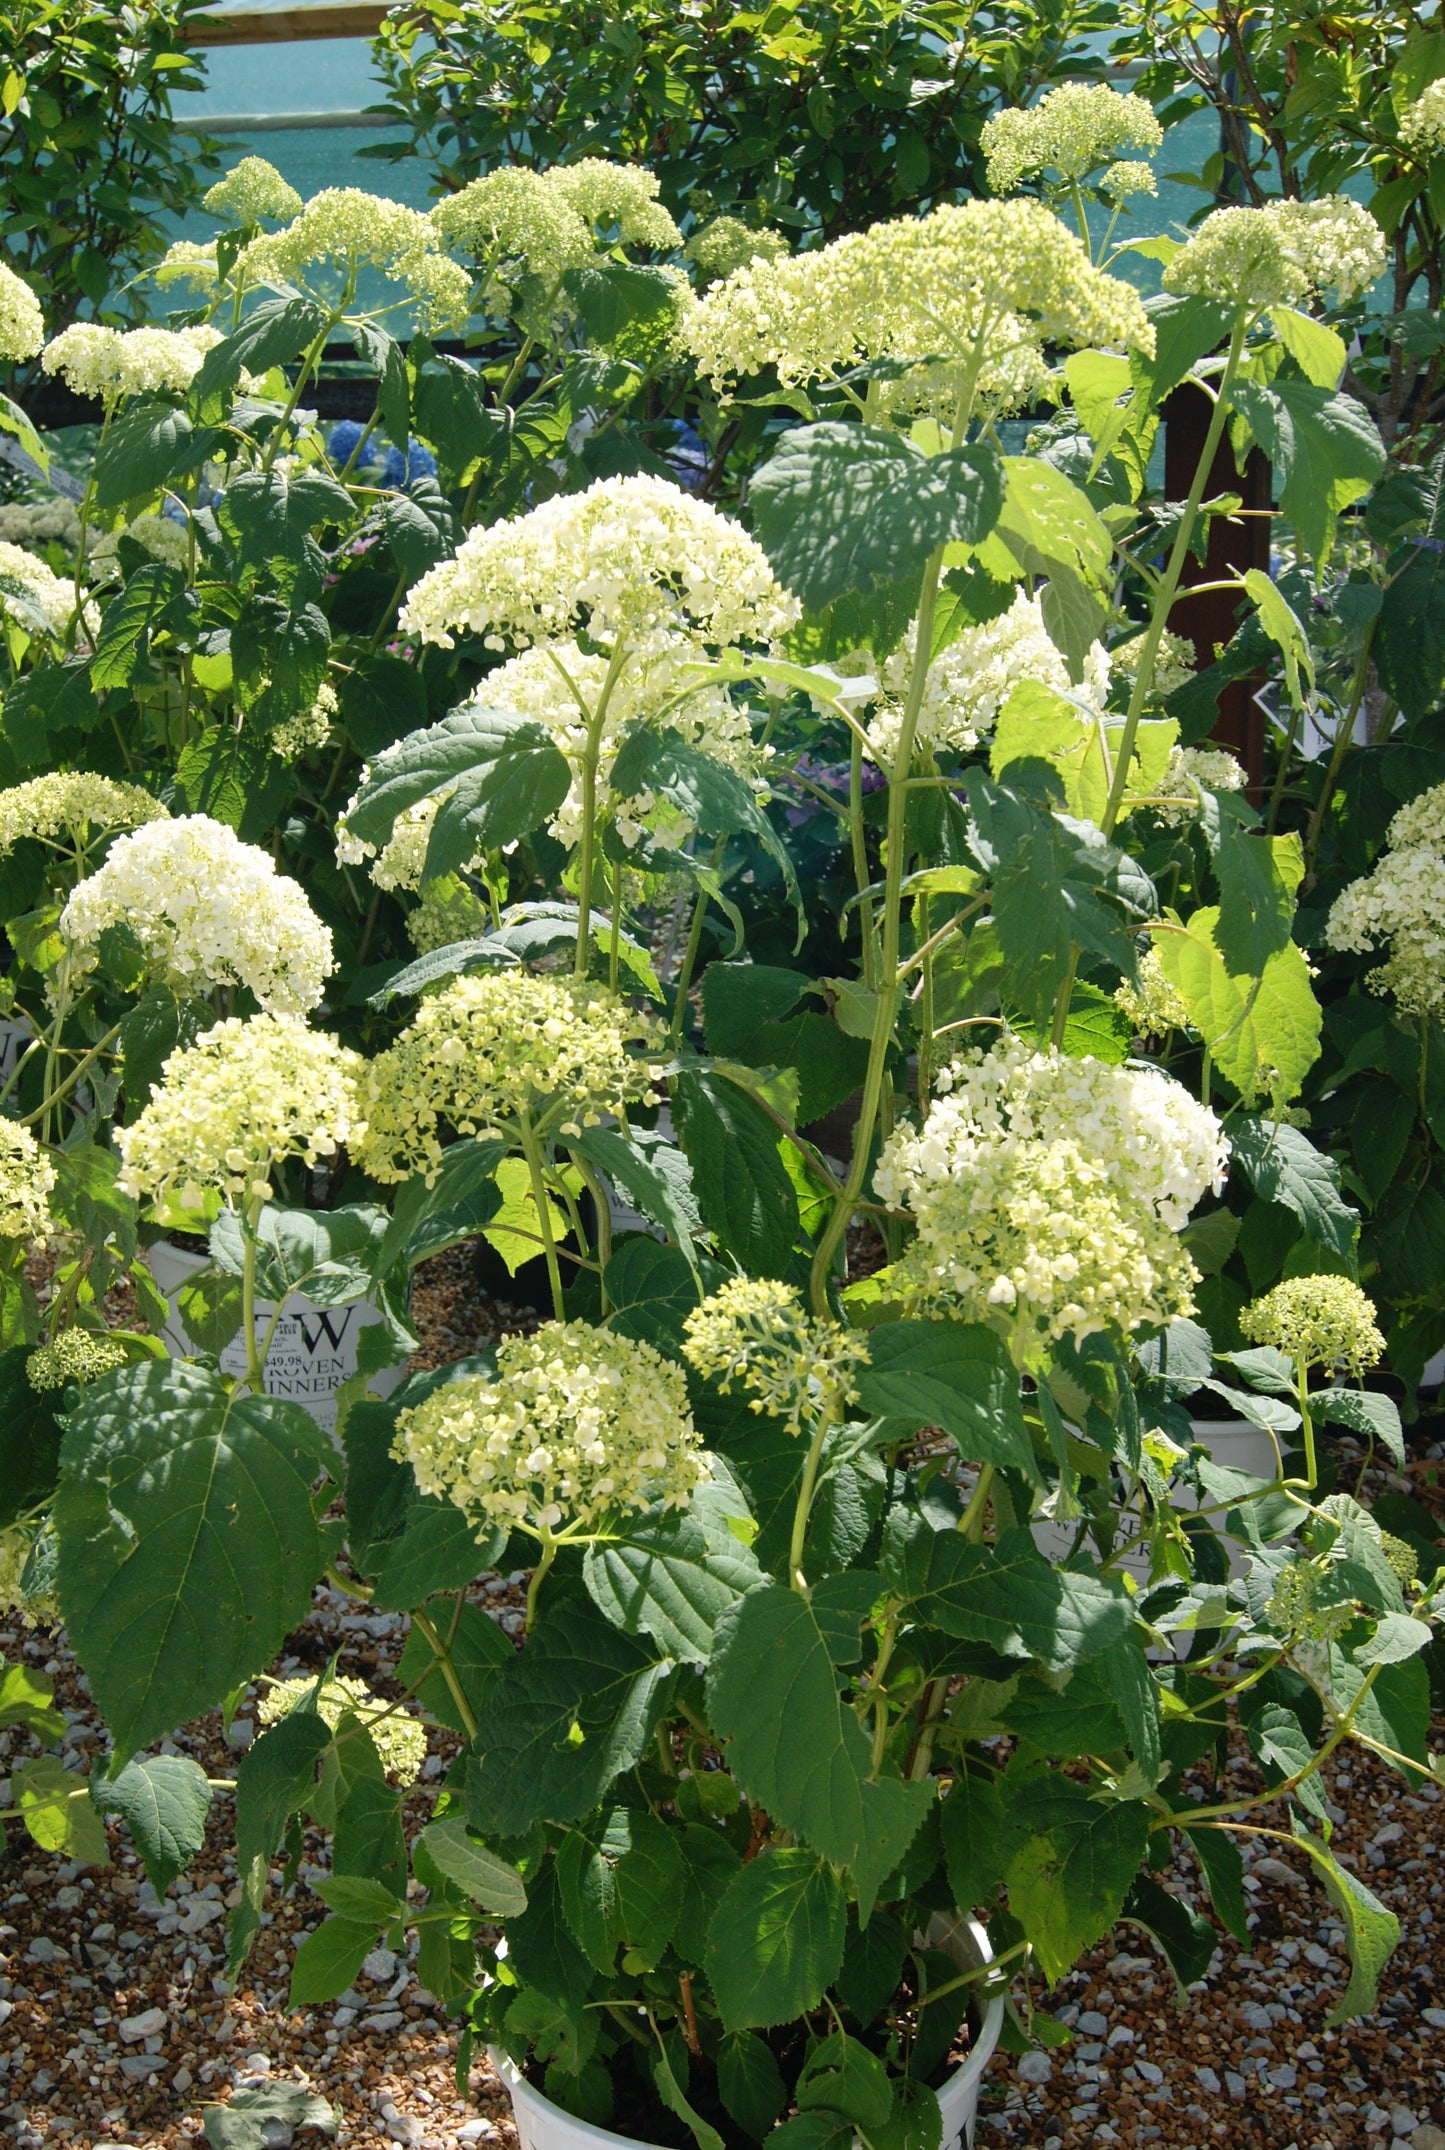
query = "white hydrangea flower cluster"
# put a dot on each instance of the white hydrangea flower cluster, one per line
(1173, 664)
(635, 560)
(611, 196)
(309, 730)
(115, 363)
(79, 1355)
(1280, 254)
(398, 1737)
(579, 1424)
(1317, 1321)
(524, 227)
(970, 680)
(1188, 773)
(1125, 178)
(486, 1050)
(351, 229)
(52, 597)
(1402, 903)
(251, 190)
(757, 1335)
(1049, 1194)
(27, 1181)
(1072, 131)
(59, 808)
(22, 325)
(190, 262)
(207, 910)
(727, 244)
(999, 278)
(1422, 124)
(230, 1107)
(163, 539)
(533, 684)
(402, 858)
(1152, 1002)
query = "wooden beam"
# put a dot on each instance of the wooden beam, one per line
(288, 25)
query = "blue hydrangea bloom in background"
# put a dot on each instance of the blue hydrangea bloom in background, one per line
(342, 443)
(399, 470)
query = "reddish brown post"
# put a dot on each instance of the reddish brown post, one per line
(1236, 542)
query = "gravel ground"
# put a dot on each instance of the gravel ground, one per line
(116, 2026)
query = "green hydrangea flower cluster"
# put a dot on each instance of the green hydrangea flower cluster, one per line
(757, 1335)
(398, 1737)
(79, 1355)
(1317, 1321)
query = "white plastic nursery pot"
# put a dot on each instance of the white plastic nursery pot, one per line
(541, 2125)
(312, 1353)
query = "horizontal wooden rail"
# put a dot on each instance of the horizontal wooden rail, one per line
(287, 25)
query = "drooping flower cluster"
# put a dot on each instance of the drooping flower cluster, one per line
(398, 1737)
(981, 281)
(1422, 124)
(351, 230)
(727, 244)
(251, 190)
(22, 325)
(27, 1180)
(41, 592)
(560, 686)
(58, 809)
(634, 560)
(488, 1050)
(208, 910)
(1317, 1321)
(1188, 773)
(229, 1108)
(757, 1335)
(1071, 131)
(1049, 1192)
(970, 680)
(309, 730)
(578, 1424)
(79, 1355)
(1280, 254)
(1402, 903)
(1152, 1002)
(115, 363)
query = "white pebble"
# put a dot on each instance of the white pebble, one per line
(1036, 2068)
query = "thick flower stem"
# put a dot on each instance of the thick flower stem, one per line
(544, 1561)
(442, 1653)
(804, 1505)
(255, 1369)
(532, 1151)
(587, 849)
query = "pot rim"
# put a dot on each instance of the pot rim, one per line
(964, 2078)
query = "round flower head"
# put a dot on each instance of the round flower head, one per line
(615, 196)
(1152, 1003)
(113, 363)
(352, 230)
(487, 1050)
(1422, 124)
(523, 234)
(253, 189)
(1317, 1321)
(1049, 1193)
(58, 810)
(577, 1425)
(27, 1178)
(78, 1355)
(207, 910)
(1402, 904)
(970, 680)
(967, 282)
(560, 686)
(727, 244)
(1280, 254)
(1070, 131)
(1188, 773)
(230, 1107)
(1126, 178)
(631, 559)
(156, 534)
(34, 597)
(398, 1737)
(22, 325)
(757, 1335)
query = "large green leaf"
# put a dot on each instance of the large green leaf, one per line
(274, 1779)
(427, 1216)
(146, 605)
(651, 1173)
(188, 1543)
(276, 330)
(1371, 1931)
(952, 1374)
(163, 1800)
(1074, 1860)
(621, 1879)
(743, 1191)
(257, 2119)
(502, 775)
(1264, 1031)
(776, 1940)
(279, 653)
(329, 1959)
(671, 1576)
(1258, 877)
(573, 1710)
(1037, 724)
(975, 1846)
(715, 799)
(1284, 1166)
(845, 508)
(489, 1881)
(142, 447)
(1410, 639)
(1007, 1595)
(1324, 446)
(330, 1255)
(796, 1748)
(382, 699)
(1186, 329)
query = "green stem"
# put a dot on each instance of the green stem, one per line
(858, 838)
(544, 1561)
(591, 754)
(531, 1150)
(689, 965)
(970, 1522)
(1344, 740)
(309, 359)
(442, 1653)
(255, 1371)
(1307, 1426)
(804, 1505)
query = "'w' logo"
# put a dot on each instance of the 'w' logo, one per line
(332, 1324)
